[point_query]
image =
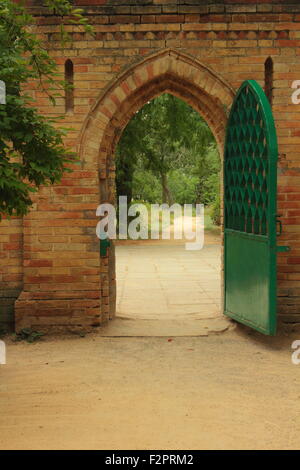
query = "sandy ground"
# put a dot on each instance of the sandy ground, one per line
(236, 390)
(232, 390)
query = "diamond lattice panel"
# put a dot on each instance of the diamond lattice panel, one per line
(246, 168)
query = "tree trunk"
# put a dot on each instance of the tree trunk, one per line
(166, 193)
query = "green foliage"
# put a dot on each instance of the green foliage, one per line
(183, 186)
(208, 169)
(216, 211)
(29, 335)
(128, 153)
(64, 8)
(167, 145)
(32, 152)
(3, 331)
(145, 186)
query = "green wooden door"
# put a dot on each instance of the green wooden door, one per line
(250, 181)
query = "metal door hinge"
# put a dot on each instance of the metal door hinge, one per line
(104, 245)
(283, 249)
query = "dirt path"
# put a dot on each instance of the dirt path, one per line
(235, 390)
(212, 236)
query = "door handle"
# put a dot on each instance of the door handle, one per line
(282, 248)
(278, 222)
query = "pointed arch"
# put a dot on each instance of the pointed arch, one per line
(167, 71)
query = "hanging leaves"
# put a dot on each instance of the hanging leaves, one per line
(32, 152)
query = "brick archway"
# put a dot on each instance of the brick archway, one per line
(51, 267)
(167, 71)
(65, 288)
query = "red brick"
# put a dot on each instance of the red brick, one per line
(169, 19)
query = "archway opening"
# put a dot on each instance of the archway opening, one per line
(168, 256)
(167, 71)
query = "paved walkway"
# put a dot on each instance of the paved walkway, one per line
(167, 282)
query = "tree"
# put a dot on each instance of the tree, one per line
(171, 140)
(32, 152)
(128, 151)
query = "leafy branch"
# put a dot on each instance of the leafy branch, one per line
(32, 151)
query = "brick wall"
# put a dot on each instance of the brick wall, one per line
(199, 50)
(11, 245)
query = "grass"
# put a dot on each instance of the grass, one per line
(208, 223)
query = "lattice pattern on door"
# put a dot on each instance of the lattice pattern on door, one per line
(246, 168)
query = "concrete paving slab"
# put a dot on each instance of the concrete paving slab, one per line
(165, 282)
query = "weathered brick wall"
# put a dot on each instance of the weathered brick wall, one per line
(11, 267)
(199, 50)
